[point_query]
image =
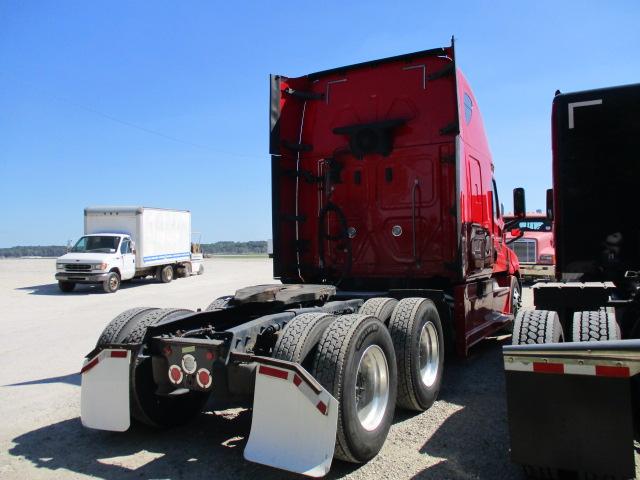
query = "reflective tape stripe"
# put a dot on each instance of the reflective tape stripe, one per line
(90, 365)
(322, 407)
(604, 371)
(303, 386)
(574, 369)
(616, 371)
(543, 367)
(95, 360)
(273, 372)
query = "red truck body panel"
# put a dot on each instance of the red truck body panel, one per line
(382, 179)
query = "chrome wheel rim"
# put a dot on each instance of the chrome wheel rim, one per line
(113, 282)
(429, 354)
(515, 301)
(372, 387)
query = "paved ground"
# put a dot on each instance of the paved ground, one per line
(46, 334)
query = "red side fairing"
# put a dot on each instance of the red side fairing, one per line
(483, 250)
(398, 206)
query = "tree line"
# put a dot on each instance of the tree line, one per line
(235, 248)
(217, 248)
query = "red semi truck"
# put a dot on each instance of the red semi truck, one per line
(389, 244)
(533, 244)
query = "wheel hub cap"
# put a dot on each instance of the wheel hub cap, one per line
(429, 354)
(372, 387)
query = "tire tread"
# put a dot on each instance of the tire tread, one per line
(329, 368)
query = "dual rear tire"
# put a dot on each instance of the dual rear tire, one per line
(130, 327)
(543, 326)
(369, 367)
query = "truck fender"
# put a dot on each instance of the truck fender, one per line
(104, 393)
(294, 419)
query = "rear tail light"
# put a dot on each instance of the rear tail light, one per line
(175, 374)
(204, 378)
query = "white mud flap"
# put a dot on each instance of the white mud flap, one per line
(104, 397)
(294, 420)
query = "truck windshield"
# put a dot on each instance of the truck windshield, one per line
(529, 225)
(97, 244)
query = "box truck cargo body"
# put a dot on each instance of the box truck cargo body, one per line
(160, 236)
(121, 243)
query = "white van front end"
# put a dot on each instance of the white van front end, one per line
(101, 258)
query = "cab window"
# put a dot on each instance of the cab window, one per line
(496, 200)
(125, 246)
(468, 108)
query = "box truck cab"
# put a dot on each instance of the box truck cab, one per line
(122, 243)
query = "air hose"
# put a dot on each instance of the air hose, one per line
(324, 235)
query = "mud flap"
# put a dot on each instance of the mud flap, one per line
(294, 420)
(104, 396)
(570, 408)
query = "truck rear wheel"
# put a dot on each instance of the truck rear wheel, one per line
(165, 274)
(301, 336)
(380, 307)
(416, 331)
(355, 363)
(595, 326)
(130, 327)
(66, 286)
(536, 326)
(112, 283)
(111, 333)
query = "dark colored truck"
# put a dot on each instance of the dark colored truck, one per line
(569, 373)
(389, 243)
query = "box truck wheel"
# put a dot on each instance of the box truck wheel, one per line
(595, 326)
(536, 326)
(416, 331)
(301, 336)
(147, 407)
(164, 273)
(66, 286)
(381, 308)
(219, 303)
(355, 363)
(112, 283)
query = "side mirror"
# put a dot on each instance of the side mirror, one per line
(515, 232)
(519, 208)
(550, 204)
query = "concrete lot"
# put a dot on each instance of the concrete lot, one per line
(46, 335)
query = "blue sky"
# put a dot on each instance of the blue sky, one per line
(165, 103)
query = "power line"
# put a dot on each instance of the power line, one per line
(134, 125)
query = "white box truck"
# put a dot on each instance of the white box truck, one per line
(121, 243)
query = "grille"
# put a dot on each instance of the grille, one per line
(77, 267)
(525, 250)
